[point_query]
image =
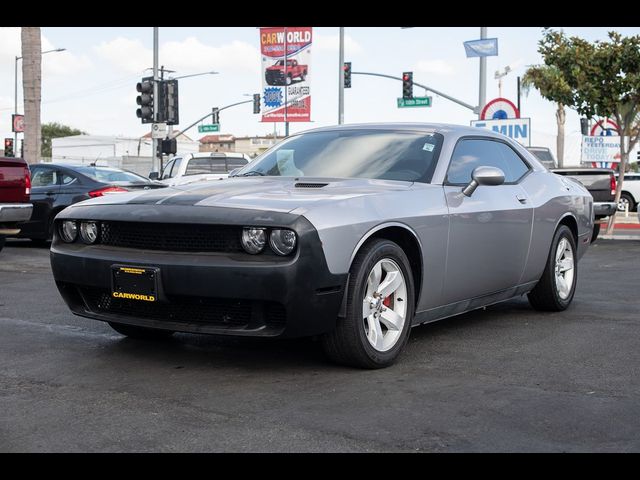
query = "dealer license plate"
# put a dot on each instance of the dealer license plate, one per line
(135, 283)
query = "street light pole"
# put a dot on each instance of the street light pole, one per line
(482, 90)
(155, 163)
(341, 79)
(15, 92)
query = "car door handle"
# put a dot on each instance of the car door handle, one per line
(521, 198)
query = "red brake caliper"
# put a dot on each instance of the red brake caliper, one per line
(387, 301)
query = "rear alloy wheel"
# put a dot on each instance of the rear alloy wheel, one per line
(380, 307)
(555, 290)
(626, 201)
(142, 333)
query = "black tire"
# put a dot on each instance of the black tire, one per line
(2, 242)
(348, 344)
(545, 295)
(627, 196)
(303, 75)
(142, 333)
(596, 231)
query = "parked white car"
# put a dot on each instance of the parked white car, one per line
(198, 167)
(630, 192)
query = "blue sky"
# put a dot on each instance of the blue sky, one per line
(91, 86)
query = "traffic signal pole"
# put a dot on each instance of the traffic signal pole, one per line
(341, 79)
(211, 114)
(429, 89)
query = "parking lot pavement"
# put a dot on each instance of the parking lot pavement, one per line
(502, 379)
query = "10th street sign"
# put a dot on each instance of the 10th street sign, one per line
(214, 127)
(414, 102)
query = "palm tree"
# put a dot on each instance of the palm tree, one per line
(31, 85)
(549, 82)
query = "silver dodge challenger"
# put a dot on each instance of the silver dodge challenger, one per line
(352, 234)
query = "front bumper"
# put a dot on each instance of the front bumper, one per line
(604, 209)
(214, 293)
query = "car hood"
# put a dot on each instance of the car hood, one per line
(279, 194)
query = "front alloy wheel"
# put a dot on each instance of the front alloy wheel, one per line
(379, 308)
(384, 307)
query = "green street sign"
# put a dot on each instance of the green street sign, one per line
(414, 102)
(215, 127)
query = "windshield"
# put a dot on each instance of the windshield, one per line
(374, 154)
(280, 63)
(111, 175)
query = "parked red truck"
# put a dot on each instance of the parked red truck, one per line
(275, 74)
(15, 192)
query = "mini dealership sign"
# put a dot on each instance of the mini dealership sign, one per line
(519, 129)
(286, 73)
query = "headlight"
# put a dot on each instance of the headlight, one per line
(282, 241)
(89, 232)
(69, 230)
(253, 239)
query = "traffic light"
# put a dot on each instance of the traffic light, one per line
(215, 116)
(256, 103)
(146, 101)
(407, 85)
(584, 126)
(169, 146)
(169, 102)
(8, 147)
(347, 74)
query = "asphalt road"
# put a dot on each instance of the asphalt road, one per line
(503, 379)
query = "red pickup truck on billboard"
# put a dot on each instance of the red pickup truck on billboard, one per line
(15, 193)
(275, 75)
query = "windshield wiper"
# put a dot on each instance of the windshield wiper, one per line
(250, 173)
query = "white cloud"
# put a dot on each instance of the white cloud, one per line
(438, 67)
(332, 43)
(187, 56)
(126, 54)
(193, 55)
(58, 63)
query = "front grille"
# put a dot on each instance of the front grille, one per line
(171, 236)
(216, 312)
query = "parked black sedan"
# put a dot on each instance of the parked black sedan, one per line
(56, 186)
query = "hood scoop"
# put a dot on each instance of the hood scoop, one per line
(310, 185)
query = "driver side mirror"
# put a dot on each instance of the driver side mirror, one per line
(154, 176)
(483, 176)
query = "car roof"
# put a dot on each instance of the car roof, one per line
(443, 128)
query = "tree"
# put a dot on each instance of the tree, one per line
(604, 78)
(56, 130)
(548, 80)
(31, 86)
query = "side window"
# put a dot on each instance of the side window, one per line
(67, 178)
(167, 170)
(44, 177)
(515, 167)
(472, 153)
(176, 167)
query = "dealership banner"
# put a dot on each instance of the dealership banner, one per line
(286, 86)
(17, 123)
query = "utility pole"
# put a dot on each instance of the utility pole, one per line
(519, 96)
(155, 163)
(341, 79)
(482, 91)
(286, 87)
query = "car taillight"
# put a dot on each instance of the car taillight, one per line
(106, 190)
(613, 184)
(27, 182)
